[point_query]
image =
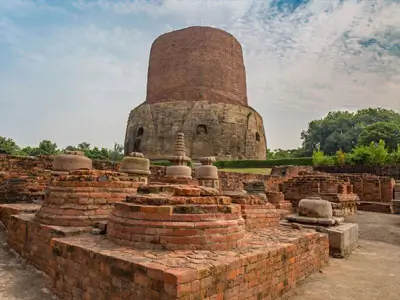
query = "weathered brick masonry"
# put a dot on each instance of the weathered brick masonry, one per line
(272, 263)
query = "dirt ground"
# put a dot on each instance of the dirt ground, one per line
(372, 272)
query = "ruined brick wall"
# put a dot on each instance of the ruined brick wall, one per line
(382, 170)
(223, 130)
(33, 240)
(371, 188)
(196, 63)
(25, 165)
(24, 179)
(281, 174)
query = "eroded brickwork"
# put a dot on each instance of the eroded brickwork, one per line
(150, 250)
(223, 130)
(270, 265)
(83, 198)
(339, 191)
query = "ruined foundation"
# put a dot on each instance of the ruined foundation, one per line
(173, 242)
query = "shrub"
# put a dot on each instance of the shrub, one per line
(374, 154)
(161, 163)
(238, 164)
(320, 159)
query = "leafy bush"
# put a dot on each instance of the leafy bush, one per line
(320, 159)
(161, 163)
(340, 157)
(237, 164)
(374, 154)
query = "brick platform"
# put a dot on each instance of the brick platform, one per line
(7, 210)
(378, 207)
(83, 198)
(32, 240)
(269, 264)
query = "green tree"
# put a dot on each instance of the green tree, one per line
(83, 146)
(45, 147)
(342, 129)
(117, 153)
(280, 153)
(8, 146)
(389, 132)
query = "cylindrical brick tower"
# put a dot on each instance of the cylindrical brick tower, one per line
(196, 85)
(194, 64)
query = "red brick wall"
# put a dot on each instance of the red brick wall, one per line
(378, 170)
(266, 273)
(33, 240)
(371, 188)
(18, 165)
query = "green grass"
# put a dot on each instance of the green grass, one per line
(262, 171)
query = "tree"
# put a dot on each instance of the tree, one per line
(341, 129)
(389, 132)
(83, 146)
(46, 147)
(281, 154)
(117, 153)
(8, 146)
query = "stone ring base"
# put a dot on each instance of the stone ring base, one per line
(177, 227)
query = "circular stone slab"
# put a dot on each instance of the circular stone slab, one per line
(315, 208)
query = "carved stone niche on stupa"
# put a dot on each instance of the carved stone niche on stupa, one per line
(179, 167)
(71, 161)
(207, 173)
(136, 166)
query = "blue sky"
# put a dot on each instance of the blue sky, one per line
(70, 71)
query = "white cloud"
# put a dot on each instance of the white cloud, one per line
(79, 79)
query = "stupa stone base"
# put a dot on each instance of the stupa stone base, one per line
(177, 217)
(269, 264)
(83, 198)
(314, 221)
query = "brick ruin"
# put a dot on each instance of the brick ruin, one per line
(132, 223)
(24, 180)
(395, 203)
(375, 192)
(172, 239)
(336, 190)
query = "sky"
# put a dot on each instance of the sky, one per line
(71, 71)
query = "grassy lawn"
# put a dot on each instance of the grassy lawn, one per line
(262, 171)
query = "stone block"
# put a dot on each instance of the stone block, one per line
(343, 239)
(314, 221)
(316, 208)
